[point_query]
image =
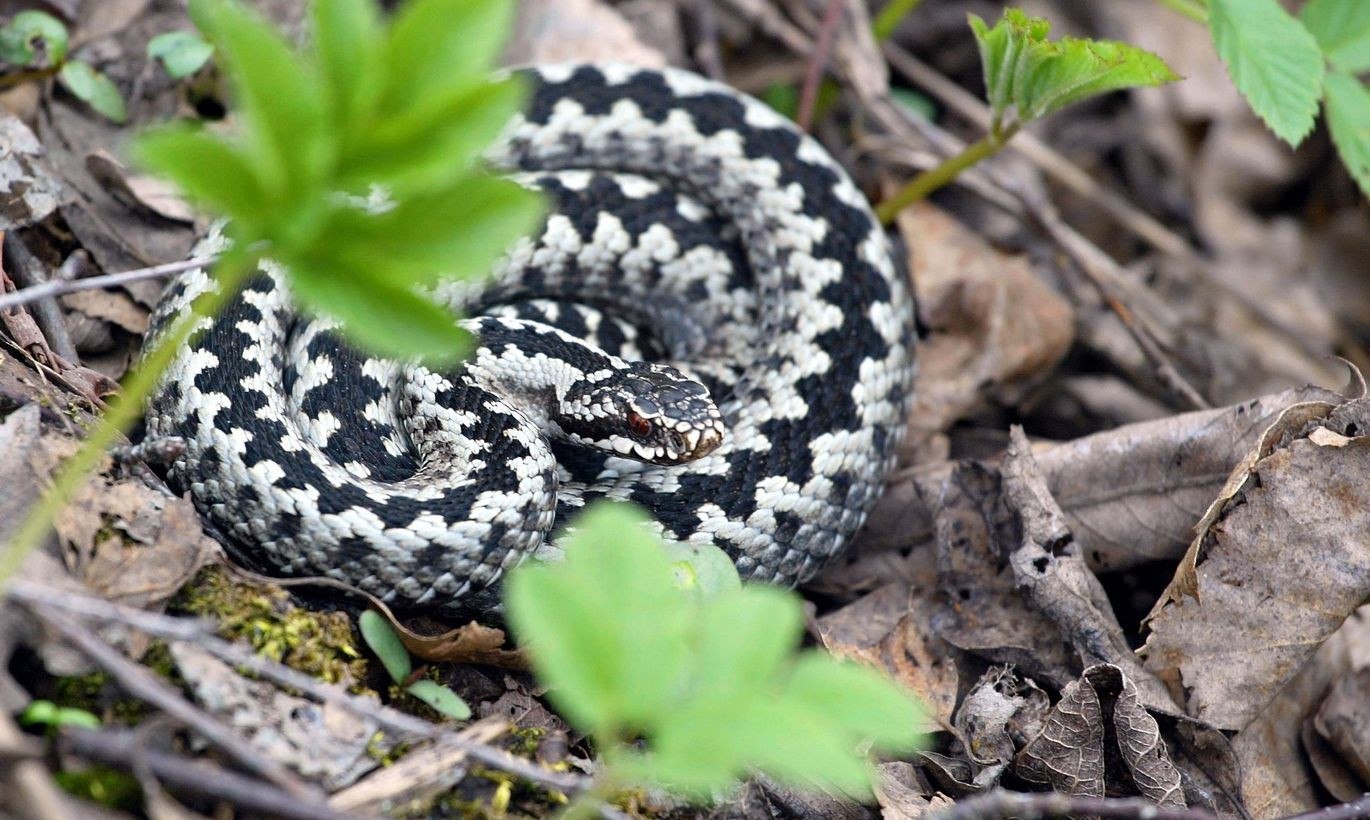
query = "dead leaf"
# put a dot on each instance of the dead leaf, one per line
(991, 718)
(28, 188)
(1344, 721)
(153, 194)
(109, 306)
(891, 629)
(555, 31)
(902, 795)
(1282, 567)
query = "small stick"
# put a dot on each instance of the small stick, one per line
(1341, 811)
(56, 287)
(1003, 804)
(27, 271)
(707, 51)
(818, 62)
(145, 686)
(198, 776)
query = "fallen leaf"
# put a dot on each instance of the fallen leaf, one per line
(1343, 721)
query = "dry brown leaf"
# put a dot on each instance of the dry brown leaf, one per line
(1001, 712)
(891, 629)
(902, 795)
(1069, 753)
(1339, 781)
(555, 31)
(1278, 571)
(1130, 495)
(109, 306)
(28, 189)
(152, 193)
(995, 327)
(1344, 721)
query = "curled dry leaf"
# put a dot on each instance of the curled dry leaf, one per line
(28, 189)
(903, 795)
(1069, 755)
(1130, 495)
(1278, 566)
(1344, 722)
(999, 714)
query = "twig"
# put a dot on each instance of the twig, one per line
(27, 272)
(818, 62)
(30, 593)
(57, 287)
(198, 776)
(1000, 803)
(27, 784)
(145, 686)
(1341, 811)
(1042, 155)
(706, 50)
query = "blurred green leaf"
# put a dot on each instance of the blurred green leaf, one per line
(47, 713)
(702, 569)
(861, 701)
(440, 698)
(381, 637)
(918, 104)
(378, 313)
(278, 96)
(182, 53)
(607, 627)
(27, 33)
(347, 42)
(182, 153)
(454, 233)
(742, 637)
(94, 89)
(436, 46)
(1273, 60)
(1342, 29)
(1348, 118)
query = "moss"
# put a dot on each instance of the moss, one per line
(315, 642)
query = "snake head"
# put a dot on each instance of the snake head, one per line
(647, 412)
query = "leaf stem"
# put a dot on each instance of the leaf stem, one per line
(933, 178)
(124, 410)
(889, 18)
(8, 81)
(1193, 9)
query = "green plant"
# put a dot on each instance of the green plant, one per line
(1285, 65)
(1028, 77)
(395, 658)
(182, 53)
(36, 43)
(692, 689)
(404, 106)
(46, 713)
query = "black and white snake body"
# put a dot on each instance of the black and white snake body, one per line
(690, 224)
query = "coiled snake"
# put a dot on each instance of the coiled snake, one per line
(690, 224)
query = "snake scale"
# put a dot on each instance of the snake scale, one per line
(690, 226)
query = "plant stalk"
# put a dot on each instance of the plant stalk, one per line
(933, 178)
(124, 410)
(1193, 9)
(889, 18)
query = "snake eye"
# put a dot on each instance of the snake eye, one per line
(638, 425)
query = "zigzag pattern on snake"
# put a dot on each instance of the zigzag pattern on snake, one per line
(690, 224)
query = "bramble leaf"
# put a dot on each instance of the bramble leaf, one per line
(1273, 60)
(94, 89)
(386, 644)
(21, 37)
(182, 53)
(1036, 76)
(1342, 29)
(440, 698)
(1348, 118)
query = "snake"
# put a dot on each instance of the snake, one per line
(710, 324)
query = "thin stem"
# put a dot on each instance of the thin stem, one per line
(8, 81)
(818, 61)
(1193, 9)
(124, 410)
(56, 287)
(933, 178)
(889, 18)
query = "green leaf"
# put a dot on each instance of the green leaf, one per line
(915, 103)
(438, 45)
(278, 96)
(433, 142)
(742, 638)
(1027, 72)
(347, 45)
(1272, 60)
(1348, 118)
(386, 644)
(1342, 29)
(182, 154)
(702, 569)
(94, 89)
(47, 713)
(379, 314)
(455, 233)
(80, 718)
(182, 52)
(440, 698)
(21, 37)
(606, 628)
(861, 701)
(1056, 74)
